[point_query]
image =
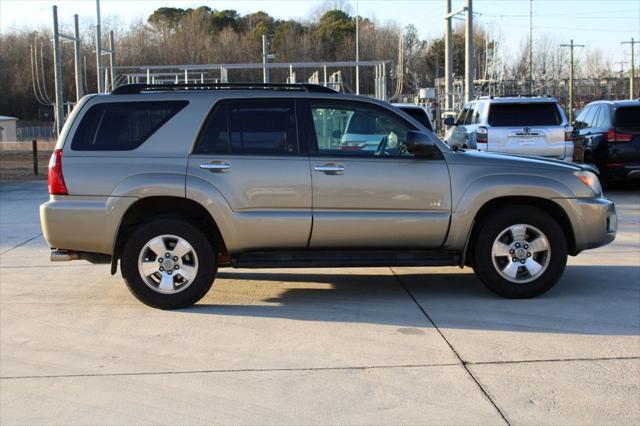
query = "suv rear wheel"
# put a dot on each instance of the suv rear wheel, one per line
(520, 252)
(168, 264)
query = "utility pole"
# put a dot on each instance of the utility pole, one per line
(57, 73)
(357, 50)
(99, 49)
(78, 64)
(632, 76)
(468, 63)
(447, 57)
(571, 75)
(265, 58)
(112, 60)
(531, 47)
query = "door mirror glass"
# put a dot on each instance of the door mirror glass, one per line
(420, 144)
(449, 121)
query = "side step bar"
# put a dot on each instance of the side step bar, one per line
(345, 258)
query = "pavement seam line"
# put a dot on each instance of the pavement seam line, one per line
(21, 244)
(534, 361)
(231, 370)
(462, 362)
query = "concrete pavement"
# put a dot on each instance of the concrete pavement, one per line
(354, 346)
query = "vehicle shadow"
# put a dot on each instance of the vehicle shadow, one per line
(600, 300)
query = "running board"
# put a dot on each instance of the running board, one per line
(344, 258)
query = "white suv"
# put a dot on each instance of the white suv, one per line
(518, 125)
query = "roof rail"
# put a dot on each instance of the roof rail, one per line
(129, 89)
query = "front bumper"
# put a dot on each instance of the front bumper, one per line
(594, 221)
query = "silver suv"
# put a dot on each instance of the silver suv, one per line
(517, 125)
(178, 181)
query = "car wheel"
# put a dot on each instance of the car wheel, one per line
(168, 264)
(520, 252)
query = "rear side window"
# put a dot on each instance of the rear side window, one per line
(122, 126)
(420, 115)
(250, 127)
(523, 114)
(628, 117)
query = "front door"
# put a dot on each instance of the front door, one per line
(249, 152)
(368, 191)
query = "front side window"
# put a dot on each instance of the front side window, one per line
(463, 115)
(250, 127)
(358, 130)
(122, 126)
(524, 114)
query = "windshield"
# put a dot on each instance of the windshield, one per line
(524, 114)
(628, 117)
(420, 115)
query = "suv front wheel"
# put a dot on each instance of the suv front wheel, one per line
(168, 264)
(520, 252)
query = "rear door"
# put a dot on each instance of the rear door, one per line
(375, 199)
(530, 128)
(251, 153)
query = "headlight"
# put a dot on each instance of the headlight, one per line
(591, 180)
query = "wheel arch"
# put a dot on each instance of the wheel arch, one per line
(551, 207)
(165, 207)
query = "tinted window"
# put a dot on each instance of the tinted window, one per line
(523, 114)
(251, 127)
(358, 130)
(628, 117)
(214, 138)
(462, 115)
(468, 119)
(420, 115)
(122, 126)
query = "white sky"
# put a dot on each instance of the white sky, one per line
(596, 23)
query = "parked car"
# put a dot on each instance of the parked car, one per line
(176, 183)
(418, 112)
(607, 134)
(518, 125)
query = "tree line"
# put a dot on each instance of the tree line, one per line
(204, 35)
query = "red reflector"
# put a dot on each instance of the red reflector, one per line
(613, 136)
(56, 180)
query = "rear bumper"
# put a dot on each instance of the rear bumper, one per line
(83, 224)
(622, 171)
(594, 221)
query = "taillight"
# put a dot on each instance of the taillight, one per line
(568, 133)
(613, 136)
(56, 180)
(482, 134)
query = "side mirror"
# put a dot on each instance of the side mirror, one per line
(420, 144)
(449, 121)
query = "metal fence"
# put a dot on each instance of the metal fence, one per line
(37, 133)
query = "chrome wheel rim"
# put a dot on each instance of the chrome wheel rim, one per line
(521, 253)
(168, 264)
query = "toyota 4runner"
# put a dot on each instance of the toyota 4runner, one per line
(176, 181)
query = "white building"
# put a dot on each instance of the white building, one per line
(8, 128)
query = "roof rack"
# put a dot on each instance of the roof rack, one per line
(129, 89)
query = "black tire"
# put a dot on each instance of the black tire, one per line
(493, 225)
(204, 277)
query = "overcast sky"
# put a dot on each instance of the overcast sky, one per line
(597, 23)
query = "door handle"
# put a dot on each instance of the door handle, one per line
(216, 166)
(330, 169)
